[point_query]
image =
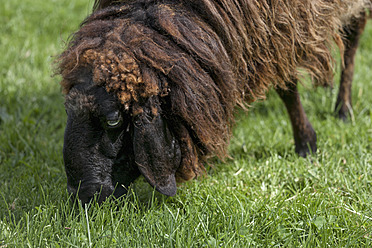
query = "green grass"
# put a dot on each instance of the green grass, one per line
(265, 196)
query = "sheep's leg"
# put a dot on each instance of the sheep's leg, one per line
(303, 132)
(351, 40)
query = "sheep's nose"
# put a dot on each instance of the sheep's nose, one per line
(87, 193)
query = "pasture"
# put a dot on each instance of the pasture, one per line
(265, 195)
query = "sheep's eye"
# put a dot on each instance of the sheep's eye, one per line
(114, 123)
(114, 119)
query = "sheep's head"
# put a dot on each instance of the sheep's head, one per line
(106, 148)
(116, 131)
(139, 103)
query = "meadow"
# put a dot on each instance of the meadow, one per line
(263, 196)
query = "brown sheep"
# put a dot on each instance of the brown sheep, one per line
(151, 86)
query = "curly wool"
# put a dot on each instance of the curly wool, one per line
(204, 57)
(119, 74)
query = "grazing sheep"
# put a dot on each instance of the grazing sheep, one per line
(151, 86)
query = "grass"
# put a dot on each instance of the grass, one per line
(265, 196)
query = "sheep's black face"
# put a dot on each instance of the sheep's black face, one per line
(107, 148)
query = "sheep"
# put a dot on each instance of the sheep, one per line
(151, 86)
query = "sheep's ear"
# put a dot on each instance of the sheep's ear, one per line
(156, 151)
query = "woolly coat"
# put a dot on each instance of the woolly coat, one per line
(202, 58)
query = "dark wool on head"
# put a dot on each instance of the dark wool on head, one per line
(203, 58)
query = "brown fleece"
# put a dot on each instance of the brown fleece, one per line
(203, 57)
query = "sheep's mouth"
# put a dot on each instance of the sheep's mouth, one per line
(124, 172)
